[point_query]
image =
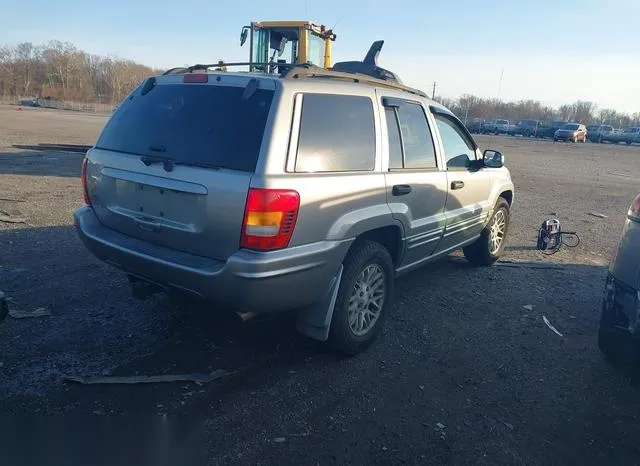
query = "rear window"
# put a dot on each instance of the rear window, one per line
(192, 124)
(337, 134)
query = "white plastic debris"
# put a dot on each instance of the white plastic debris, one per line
(40, 312)
(553, 329)
(164, 378)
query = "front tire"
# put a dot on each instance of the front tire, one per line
(488, 248)
(364, 298)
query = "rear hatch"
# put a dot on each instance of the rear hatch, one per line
(174, 163)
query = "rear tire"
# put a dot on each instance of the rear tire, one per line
(487, 249)
(364, 298)
(618, 345)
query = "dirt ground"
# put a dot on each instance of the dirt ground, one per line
(462, 374)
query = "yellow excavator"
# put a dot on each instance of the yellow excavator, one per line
(281, 43)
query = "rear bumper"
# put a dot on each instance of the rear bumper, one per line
(248, 281)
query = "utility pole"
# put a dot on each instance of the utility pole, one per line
(433, 93)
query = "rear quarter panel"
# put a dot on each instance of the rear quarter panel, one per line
(333, 206)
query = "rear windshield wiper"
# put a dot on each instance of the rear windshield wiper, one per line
(167, 163)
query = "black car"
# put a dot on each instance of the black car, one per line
(475, 125)
(527, 128)
(548, 130)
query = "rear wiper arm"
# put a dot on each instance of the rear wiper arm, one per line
(168, 164)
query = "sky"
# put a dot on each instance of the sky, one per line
(552, 51)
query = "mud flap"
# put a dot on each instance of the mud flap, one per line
(315, 321)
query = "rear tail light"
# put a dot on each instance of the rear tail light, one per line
(195, 78)
(83, 175)
(634, 210)
(269, 219)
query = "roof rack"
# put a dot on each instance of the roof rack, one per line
(365, 71)
(221, 64)
(311, 71)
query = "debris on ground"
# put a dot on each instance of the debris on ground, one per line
(9, 219)
(135, 379)
(553, 329)
(279, 440)
(8, 199)
(528, 307)
(528, 265)
(54, 147)
(597, 214)
(440, 429)
(40, 312)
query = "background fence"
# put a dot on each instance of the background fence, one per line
(87, 107)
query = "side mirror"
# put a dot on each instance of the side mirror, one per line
(493, 159)
(243, 35)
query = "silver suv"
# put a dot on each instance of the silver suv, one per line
(619, 330)
(306, 190)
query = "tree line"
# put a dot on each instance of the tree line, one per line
(468, 107)
(59, 70)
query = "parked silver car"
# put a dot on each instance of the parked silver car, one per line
(310, 190)
(619, 333)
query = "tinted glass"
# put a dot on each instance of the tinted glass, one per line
(395, 147)
(193, 124)
(336, 134)
(457, 149)
(419, 151)
(570, 127)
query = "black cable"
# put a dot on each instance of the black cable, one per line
(560, 242)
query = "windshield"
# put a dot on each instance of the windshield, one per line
(570, 127)
(191, 124)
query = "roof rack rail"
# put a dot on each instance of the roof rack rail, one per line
(221, 64)
(176, 70)
(312, 71)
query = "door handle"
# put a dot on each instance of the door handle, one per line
(457, 184)
(401, 189)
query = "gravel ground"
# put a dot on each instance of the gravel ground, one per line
(462, 374)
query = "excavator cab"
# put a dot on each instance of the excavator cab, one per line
(280, 43)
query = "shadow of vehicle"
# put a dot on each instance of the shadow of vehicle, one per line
(41, 163)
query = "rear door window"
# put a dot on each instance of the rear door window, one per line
(410, 141)
(337, 134)
(192, 124)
